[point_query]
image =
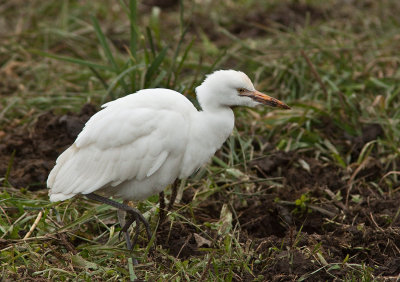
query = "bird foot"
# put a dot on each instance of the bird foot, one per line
(134, 216)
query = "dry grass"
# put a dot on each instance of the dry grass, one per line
(311, 193)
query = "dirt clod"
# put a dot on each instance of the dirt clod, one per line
(292, 229)
(29, 152)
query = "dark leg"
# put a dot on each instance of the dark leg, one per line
(174, 192)
(129, 246)
(134, 215)
(161, 199)
(126, 226)
(122, 222)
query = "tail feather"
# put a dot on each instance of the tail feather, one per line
(51, 180)
(59, 197)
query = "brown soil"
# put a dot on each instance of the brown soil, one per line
(35, 148)
(258, 21)
(343, 215)
(284, 16)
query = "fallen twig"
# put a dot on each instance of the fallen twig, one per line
(35, 223)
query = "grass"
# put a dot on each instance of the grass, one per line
(336, 65)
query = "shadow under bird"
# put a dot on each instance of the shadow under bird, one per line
(139, 144)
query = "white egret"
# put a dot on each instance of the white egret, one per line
(138, 144)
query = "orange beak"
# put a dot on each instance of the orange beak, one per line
(265, 99)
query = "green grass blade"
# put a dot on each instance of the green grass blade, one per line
(366, 151)
(184, 56)
(72, 60)
(154, 66)
(133, 28)
(99, 77)
(124, 7)
(107, 50)
(104, 44)
(216, 61)
(132, 275)
(156, 82)
(118, 79)
(151, 42)
(171, 70)
(10, 164)
(181, 12)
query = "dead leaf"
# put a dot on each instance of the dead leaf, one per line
(226, 220)
(201, 241)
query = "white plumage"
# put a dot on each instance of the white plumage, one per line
(138, 144)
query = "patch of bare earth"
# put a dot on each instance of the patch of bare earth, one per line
(343, 218)
(29, 152)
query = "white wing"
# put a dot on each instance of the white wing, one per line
(130, 139)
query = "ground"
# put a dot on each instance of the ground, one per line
(307, 194)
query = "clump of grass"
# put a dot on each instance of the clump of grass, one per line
(145, 62)
(338, 77)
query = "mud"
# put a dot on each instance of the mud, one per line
(29, 152)
(320, 215)
(296, 241)
(284, 16)
(344, 216)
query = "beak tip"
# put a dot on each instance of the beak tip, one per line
(267, 100)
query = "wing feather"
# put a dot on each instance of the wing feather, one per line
(120, 143)
(157, 163)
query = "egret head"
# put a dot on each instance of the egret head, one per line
(232, 88)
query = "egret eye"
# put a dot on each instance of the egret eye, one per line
(241, 90)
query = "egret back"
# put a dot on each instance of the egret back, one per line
(131, 149)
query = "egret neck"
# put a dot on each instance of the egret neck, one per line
(210, 128)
